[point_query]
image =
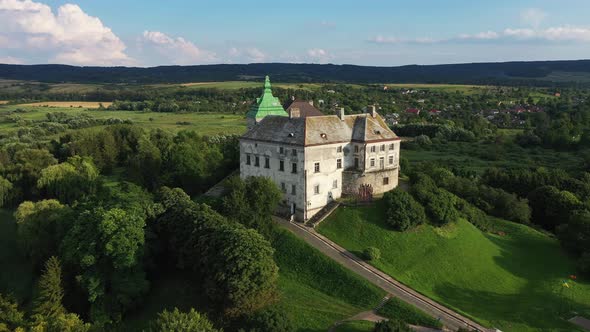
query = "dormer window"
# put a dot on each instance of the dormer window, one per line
(291, 135)
(324, 136)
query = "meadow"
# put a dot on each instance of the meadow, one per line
(203, 123)
(70, 104)
(511, 280)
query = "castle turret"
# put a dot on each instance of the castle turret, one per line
(267, 104)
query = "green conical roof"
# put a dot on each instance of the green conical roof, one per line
(267, 104)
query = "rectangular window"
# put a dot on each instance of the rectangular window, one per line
(335, 184)
(382, 162)
(294, 168)
(373, 149)
(338, 163)
(293, 189)
(316, 167)
(257, 161)
(316, 189)
(294, 152)
(385, 181)
(390, 160)
(372, 163)
(356, 149)
(339, 149)
(247, 159)
(283, 187)
(281, 150)
(391, 147)
(281, 165)
(382, 147)
(356, 162)
(266, 162)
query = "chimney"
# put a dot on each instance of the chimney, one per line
(294, 113)
(292, 98)
(371, 109)
(340, 113)
(311, 102)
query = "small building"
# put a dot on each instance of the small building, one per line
(413, 111)
(320, 158)
(305, 108)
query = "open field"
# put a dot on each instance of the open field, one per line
(203, 123)
(355, 326)
(479, 156)
(76, 104)
(232, 85)
(512, 282)
(2, 102)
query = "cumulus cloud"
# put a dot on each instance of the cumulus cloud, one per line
(319, 55)
(533, 17)
(176, 50)
(68, 36)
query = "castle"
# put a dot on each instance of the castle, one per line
(315, 158)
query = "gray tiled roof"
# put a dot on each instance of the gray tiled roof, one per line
(318, 130)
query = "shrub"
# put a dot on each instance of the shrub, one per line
(192, 321)
(372, 254)
(398, 310)
(270, 320)
(391, 325)
(402, 210)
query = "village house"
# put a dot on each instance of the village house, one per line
(315, 158)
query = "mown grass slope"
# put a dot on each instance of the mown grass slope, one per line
(512, 282)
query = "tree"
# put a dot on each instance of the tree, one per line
(252, 202)
(269, 320)
(70, 180)
(41, 227)
(240, 269)
(10, 316)
(391, 325)
(26, 167)
(551, 206)
(402, 210)
(105, 248)
(5, 191)
(49, 300)
(574, 235)
(173, 321)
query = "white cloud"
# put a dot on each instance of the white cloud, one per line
(177, 50)
(533, 17)
(553, 34)
(249, 54)
(319, 55)
(10, 60)
(68, 36)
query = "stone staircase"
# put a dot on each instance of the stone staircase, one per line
(322, 214)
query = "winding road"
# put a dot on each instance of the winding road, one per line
(448, 317)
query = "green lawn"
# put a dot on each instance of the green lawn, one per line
(317, 291)
(512, 282)
(203, 123)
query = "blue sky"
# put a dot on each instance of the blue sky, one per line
(370, 32)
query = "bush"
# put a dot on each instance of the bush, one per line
(423, 140)
(391, 325)
(270, 320)
(398, 310)
(372, 254)
(402, 210)
(192, 321)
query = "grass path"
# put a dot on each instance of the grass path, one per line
(510, 282)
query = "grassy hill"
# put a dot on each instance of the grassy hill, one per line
(512, 282)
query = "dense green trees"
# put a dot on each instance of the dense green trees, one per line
(402, 210)
(69, 181)
(439, 204)
(41, 226)
(551, 206)
(175, 320)
(241, 270)
(252, 202)
(5, 191)
(269, 320)
(391, 325)
(105, 248)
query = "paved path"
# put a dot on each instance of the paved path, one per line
(448, 317)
